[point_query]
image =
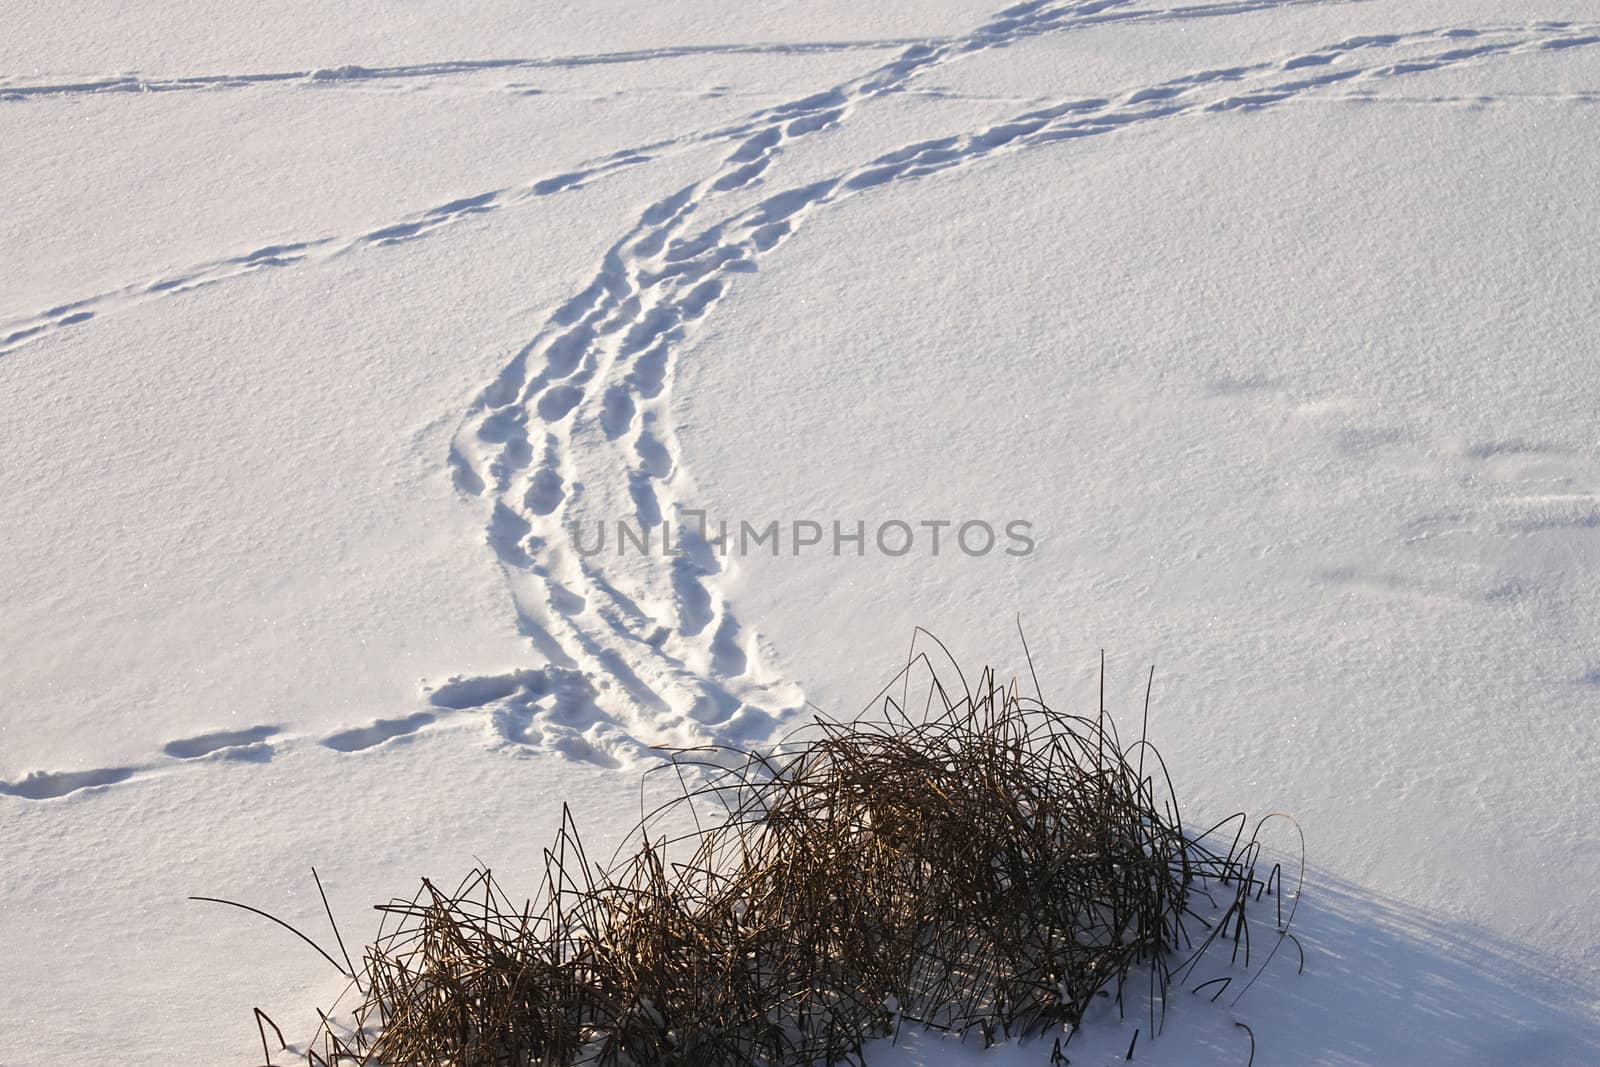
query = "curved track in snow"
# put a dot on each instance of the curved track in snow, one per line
(577, 428)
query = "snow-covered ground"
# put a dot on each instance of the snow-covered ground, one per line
(329, 340)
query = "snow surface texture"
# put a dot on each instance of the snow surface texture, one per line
(1274, 318)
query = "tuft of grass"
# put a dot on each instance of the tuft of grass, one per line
(982, 864)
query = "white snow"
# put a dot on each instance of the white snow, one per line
(321, 334)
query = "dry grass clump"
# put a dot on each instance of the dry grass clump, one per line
(987, 866)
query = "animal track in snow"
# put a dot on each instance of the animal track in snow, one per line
(351, 75)
(376, 733)
(48, 785)
(249, 744)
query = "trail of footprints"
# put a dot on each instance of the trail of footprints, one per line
(589, 393)
(249, 744)
(647, 649)
(352, 75)
(1014, 24)
(517, 698)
